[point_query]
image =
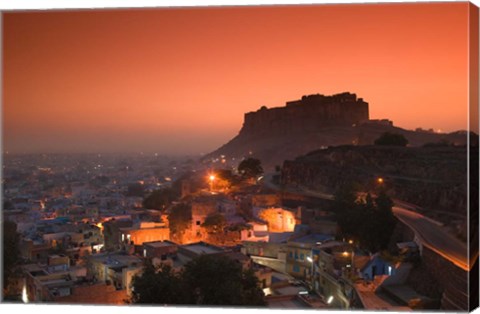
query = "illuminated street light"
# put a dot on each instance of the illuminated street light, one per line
(212, 179)
(330, 299)
(309, 259)
(379, 180)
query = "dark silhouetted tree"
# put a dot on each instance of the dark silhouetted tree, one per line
(347, 210)
(159, 286)
(250, 168)
(214, 223)
(11, 253)
(159, 199)
(205, 280)
(180, 218)
(371, 222)
(218, 280)
(391, 139)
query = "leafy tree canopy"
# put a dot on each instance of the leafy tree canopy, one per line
(159, 199)
(370, 221)
(158, 286)
(250, 168)
(215, 223)
(206, 280)
(180, 217)
(391, 139)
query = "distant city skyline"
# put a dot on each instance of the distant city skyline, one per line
(178, 81)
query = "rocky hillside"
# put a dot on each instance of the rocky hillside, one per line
(432, 177)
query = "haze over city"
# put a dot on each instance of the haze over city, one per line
(179, 81)
(283, 157)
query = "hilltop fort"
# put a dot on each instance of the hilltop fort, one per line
(308, 114)
(313, 122)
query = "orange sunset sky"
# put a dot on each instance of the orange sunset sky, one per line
(178, 81)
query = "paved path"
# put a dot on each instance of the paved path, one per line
(435, 237)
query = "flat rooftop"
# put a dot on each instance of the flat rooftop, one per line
(279, 237)
(199, 249)
(158, 244)
(116, 259)
(313, 239)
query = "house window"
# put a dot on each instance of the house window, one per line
(290, 254)
(301, 256)
(296, 268)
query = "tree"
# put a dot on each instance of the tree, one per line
(347, 210)
(250, 168)
(205, 280)
(218, 280)
(214, 223)
(371, 222)
(391, 139)
(158, 286)
(11, 253)
(159, 199)
(386, 219)
(442, 143)
(239, 227)
(180, 218)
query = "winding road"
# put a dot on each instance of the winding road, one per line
(429, 232)
(433, 236)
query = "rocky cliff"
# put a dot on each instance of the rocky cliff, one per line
(315, 121)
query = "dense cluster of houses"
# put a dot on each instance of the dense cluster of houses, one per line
(83, 241)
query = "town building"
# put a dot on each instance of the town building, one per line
(144, 232)
(117, 269)
(299, 253)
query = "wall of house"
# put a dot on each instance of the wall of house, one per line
(95, 294)
(139, 236)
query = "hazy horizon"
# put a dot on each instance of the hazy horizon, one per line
(178, 81)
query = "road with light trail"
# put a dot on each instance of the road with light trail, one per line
(429, 232)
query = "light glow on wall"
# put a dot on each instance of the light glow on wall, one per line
(24, 294)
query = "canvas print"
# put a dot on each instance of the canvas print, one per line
(286, 156)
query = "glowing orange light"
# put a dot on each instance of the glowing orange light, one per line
(380, 180)
(212, 177)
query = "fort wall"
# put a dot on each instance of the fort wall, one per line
(308, 114)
